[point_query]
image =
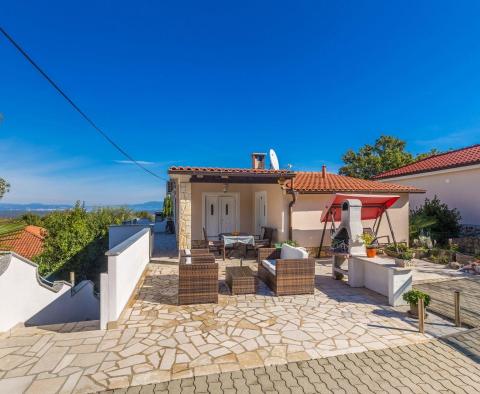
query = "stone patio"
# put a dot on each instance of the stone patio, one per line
(158, 341)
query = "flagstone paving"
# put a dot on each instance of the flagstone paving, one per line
(158, 341)
(441, 366)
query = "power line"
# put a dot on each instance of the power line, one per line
(75, 106)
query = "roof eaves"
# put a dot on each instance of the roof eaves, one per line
(388, 175)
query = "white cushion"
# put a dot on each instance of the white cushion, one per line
(187, 252)
(188, 260)
(269, 266)
(290, 252)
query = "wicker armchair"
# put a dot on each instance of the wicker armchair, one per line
(198, 280)
(290, 276)
(184, 253)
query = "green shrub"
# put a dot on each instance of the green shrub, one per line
(32, 218)
(144, 215)
(168, 206)
(413, 296)
(438, 219)
(278, 245)
(77, 240)
(405, 254)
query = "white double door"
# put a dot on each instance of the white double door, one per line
(220, 214)
(260, 211)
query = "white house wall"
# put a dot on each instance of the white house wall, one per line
(307, 228)
(277, 206)
(459, 188)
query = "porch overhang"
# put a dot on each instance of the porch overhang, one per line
(232, 175)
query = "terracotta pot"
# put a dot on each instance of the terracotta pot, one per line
(414, 311)
(371, 252)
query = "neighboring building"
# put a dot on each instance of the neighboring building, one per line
(27, 243)
(223, 200)
(453, 176)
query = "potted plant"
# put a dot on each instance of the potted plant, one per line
(368, 240)
(404, 258)
(412, 298)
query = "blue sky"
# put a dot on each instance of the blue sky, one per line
(206, 83)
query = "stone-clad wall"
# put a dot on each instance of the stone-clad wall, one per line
(470, 245)
(185, 216)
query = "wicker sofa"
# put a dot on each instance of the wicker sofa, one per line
(287, 271)
(197, 279)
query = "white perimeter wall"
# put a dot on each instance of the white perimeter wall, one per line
(126, 263)
(119, 233)
(24, 298)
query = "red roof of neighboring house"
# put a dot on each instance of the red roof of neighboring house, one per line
(27, 242)
(314, 182)
(456, 158)
(227, 171)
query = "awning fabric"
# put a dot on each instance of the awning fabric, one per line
(372, 205)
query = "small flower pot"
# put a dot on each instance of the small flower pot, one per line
(371, 252)
(413, 312)
(403, 263)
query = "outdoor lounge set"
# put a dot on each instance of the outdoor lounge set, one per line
(287, 271)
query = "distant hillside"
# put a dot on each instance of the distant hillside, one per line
(15, 210)
(34, 206)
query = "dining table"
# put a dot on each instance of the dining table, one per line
(236, 240)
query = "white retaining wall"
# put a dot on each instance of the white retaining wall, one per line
(126, 263)
(27, 298)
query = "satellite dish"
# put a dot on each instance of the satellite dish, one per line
(274, 160)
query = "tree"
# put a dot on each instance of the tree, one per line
(31, 218)
(438, 220)
(77, 240)
(386, 154)
(144, 215)
(4, 187)
(168, 206)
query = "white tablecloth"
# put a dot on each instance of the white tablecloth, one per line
(241, 239)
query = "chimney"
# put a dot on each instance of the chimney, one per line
(324, 171)
(258, 161)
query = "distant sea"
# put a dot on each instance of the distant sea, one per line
(16, 213)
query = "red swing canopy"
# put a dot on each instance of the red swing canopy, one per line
(373, 205)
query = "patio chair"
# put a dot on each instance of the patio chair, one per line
(265, 240)
(213, 246)
(198, 280)
(287, 271)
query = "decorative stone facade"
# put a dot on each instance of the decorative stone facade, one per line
(469, 245)
(184, 219)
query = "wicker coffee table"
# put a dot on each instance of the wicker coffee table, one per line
(241, 280)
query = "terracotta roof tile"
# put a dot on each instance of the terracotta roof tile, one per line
(227, 171)
(27, 242)
(314, 182)
(457, 158)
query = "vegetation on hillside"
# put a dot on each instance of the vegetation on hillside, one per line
(77, 240)
(387, 153)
